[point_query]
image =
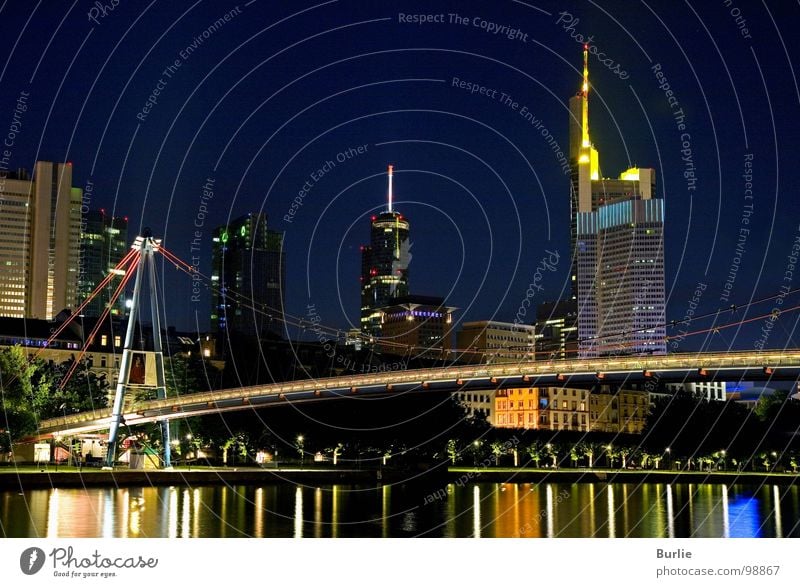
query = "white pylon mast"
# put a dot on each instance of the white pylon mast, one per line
(147, 247)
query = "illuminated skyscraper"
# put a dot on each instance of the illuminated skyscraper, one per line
(617, 232)
(39, 241)
(248, 274)
(104, 241)
(384, 264)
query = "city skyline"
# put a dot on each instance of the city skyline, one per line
(339, 180)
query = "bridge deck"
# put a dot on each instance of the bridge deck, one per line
(753, 365)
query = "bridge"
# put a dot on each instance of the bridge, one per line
(721, 366)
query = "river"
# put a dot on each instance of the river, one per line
(473, 510)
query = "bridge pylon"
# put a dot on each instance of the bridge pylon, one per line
(141, 370)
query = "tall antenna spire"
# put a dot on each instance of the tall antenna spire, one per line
(391, 167)
(585, 91)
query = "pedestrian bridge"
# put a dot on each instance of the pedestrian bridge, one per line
(715, 366)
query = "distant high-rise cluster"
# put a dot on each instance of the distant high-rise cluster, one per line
(39, 241)
(617, 238)
(248, 275)
(384, 265)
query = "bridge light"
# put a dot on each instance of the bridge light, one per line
(459, 382)
(560, 377)
(493, 380)
(388, 387)
(702, 372)
(647, 373)
(601, 375)
(526, 378)
(767, 370)
(425, 385)
(353, 389)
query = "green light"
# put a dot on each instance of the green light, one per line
(225, 237)
(243, 230)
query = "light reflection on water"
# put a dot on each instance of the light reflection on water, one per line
(476, 510)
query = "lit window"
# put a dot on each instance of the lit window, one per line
(117, 340)
(103, 340)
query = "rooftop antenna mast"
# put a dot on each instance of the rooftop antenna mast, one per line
(391, 168)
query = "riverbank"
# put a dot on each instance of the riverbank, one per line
(21, 478)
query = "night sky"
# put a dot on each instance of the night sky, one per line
(263, 101)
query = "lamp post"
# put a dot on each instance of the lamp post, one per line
(609, 458)
(476, 445)
(724, 463)
(668, 450)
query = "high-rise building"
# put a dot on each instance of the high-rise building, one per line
(104, 241)
(39, 241)
(489, 341)
(617, 234)
(384, 265)
(248, 276)
(557, 330)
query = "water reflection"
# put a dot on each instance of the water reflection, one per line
(476, 510)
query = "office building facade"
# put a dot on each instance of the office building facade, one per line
(489, 341)
(104, 241)
(417, 326)
(39, 241)
(248, 278)
(557, 330)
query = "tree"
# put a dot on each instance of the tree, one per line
(552, 452)
(575, 452)
(452, 451)
(498, 450)
(624, 452)
(536, 451)
(589, 448)
(656, 460)
(17, 413)
(84, 391)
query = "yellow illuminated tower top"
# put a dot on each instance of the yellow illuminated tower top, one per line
(588, 153)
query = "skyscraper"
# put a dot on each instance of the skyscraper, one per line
(104, 241)
(39, 241)
(384, 264)
(617, 232)
(248, 272)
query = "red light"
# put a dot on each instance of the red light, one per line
(586, 47)
(69, 163)
(126, 218)
(374, 218)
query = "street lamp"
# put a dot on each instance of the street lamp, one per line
(608, 456)
(668, 450)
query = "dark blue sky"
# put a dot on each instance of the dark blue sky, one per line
(263, 101)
